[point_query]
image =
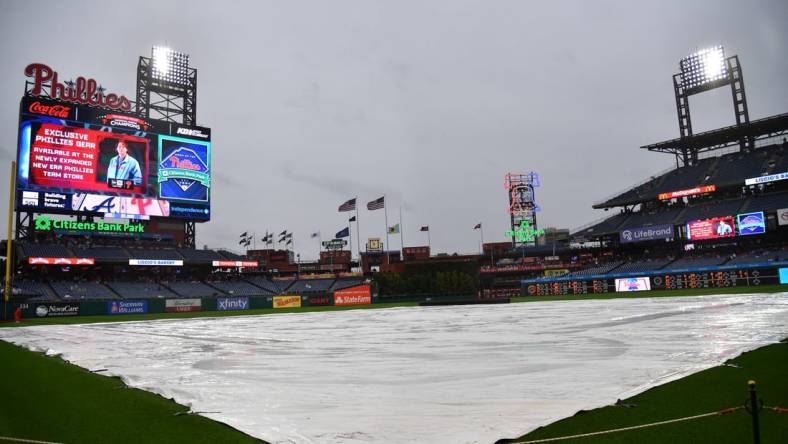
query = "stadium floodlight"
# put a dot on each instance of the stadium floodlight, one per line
(170, 66)
(704, 67)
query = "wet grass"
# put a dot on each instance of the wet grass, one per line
(707, 391)
(47, 399)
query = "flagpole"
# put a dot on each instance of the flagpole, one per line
(350, 236)
(254, 241)
(358, 234)
(401, 238)
(481, 234)
(429, 244)
(386, 221)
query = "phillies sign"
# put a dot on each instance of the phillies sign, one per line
(85, 91)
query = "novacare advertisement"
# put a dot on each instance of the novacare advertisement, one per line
(358, 295)
(127, 307)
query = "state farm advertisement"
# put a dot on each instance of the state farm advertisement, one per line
(86, 159)
(358, 295)
(714, 228)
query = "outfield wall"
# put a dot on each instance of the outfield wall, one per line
(358, 295)
(749, 275)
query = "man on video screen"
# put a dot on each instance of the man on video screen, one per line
(124, 167)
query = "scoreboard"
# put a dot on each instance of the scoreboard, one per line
(715, 279)
(591, 286)
(666, 281)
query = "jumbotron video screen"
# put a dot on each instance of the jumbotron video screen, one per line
(91, 161)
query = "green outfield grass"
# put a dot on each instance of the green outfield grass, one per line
(45, 398)
(706, 391)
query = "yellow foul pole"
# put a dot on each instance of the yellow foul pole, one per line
(8, 247)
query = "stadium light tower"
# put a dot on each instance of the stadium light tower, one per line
(167, 90)
(167, 87)
(702, 71)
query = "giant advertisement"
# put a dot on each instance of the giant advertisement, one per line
(83, 160)
(358, 295)
(633, 284)
(641, 234)
(714, 228)
(751, 223)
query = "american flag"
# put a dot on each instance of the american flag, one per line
(348, 206)
(376, 204)
(425, 228)
(478, 226)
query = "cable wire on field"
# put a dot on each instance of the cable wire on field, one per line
(642, 426)
(776, 408)
(33, 441)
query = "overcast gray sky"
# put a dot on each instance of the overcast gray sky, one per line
(430, 102)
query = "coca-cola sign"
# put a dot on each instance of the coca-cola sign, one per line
(85, 91)
(58, 111)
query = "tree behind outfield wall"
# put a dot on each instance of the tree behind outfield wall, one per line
(436, 282)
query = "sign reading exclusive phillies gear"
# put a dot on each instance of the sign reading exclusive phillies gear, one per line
(689, 192)
(714, 228)
(61, 261)
(646, 233)
(358, 295)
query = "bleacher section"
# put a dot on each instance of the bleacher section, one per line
(82, 290)
(758, 257)
(229, 255)
(694, 262)
(597, 269)
(346, 283)
(766, 202)
(239, 288)
(134, 290)
(103, 253)
(200, 255)
(608, 225)
(275, 287)
(727, 170)
(194, 290)
(311, 286)
(43, 250)
(31, 291)
(155, 254)
(705, 211)
(642, 265)
(641, 219)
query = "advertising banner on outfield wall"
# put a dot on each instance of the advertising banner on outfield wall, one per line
(358, 295)
(287, 301)
(319, 300)
(633, 284)
(227, 304)
(182, 305)
(782, 216)
(61, 261)
(640, 234)
(127, 307)
(57, 310)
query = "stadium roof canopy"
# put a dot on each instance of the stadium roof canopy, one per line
(724, 137)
